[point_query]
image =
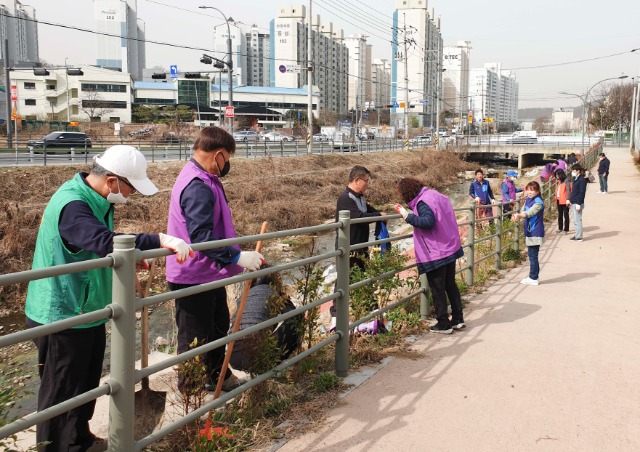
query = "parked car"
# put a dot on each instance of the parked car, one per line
(61, 140)
(321, 137)
(277, 136)
(366, 136)
(246, 135)
(422, 140)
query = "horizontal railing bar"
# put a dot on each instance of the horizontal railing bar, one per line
(56, 270)
(51, 412)
(364, 282)
(155, 299)
(379, 242)
(379, 311)
(54, 327)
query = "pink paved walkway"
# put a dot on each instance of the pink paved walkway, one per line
(547, 368)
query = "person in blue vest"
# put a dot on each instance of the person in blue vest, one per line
(198, 212)
(509, 191)
(533, 214)
(77, 225)
(480, 192)
(436, 241)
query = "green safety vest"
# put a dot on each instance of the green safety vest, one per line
(65, 296)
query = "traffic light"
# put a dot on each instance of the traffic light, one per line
(192, 75)
(40, 71)
(74, 71)
(162, 76)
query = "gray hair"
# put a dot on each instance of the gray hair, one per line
(99, 170)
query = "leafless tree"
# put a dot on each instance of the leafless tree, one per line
(92, 105)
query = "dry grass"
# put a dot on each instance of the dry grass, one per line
(287, 192)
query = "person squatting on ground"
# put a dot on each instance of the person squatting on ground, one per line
(509, 190)
(563, 191)
(436, 241)
(266, 300)
(353, 200)
(603, 173)
(480, 192)
(576, 199)
(533, 214)
(77, 225)
(198, 212)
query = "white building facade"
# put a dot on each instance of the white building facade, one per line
(562, 119)
(97, 95)
(380, 77)
(330, 57)
(258, 58)
(358, 69)
(21, 34)
(417, 44)
(455, 78)
(125, 53)
(238, 48)
(494, 94)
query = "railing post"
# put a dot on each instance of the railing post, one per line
(424, 298)
(342, 302)
(516, 228)
(499, 239)
(123, 344)
(471, 238)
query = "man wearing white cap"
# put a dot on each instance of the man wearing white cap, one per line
(77, 225)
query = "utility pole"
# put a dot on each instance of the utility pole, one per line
(310, 82)
(7, 90)
(406, 87)
(438, 76)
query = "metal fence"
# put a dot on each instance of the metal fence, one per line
(120, 386)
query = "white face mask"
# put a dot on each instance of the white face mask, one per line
(574, 173)
(116, 198)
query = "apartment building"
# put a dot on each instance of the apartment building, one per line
(380, 76)
(359, 53)
(455, 78)
(494, 94)
(417, 45)
(258, 58)
(18, 27)
(330, 57)
(238, 48)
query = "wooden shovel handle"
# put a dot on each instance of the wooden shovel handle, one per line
(236, 324)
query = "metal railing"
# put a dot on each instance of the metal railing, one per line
(122, 311)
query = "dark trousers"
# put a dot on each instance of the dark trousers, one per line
(204, 316)
(534, 264)
(442, 282)
(69, 363)
(563, 217)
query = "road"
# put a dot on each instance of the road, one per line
(539, 368)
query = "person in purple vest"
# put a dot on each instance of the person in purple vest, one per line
(533, 214)
(509, 190)
(437, 247)
(198, 212)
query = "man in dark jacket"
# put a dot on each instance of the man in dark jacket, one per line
(576, 200)
(352, 199)
(603, 173)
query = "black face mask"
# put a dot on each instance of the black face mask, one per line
(225, 169)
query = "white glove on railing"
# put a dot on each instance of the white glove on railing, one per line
(477, 199)
(578, 207)
(178, 246)
(401, 210)
(493, 201)
(251, 260)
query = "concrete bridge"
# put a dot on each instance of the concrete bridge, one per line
(528, 154)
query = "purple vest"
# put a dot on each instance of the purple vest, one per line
(511, 187)
(443, 239)
(199, 269)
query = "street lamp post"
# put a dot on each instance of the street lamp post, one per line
(229, 62)
(585, 98)
(66, 79)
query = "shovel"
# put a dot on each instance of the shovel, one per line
(236, 325)
(150, 405)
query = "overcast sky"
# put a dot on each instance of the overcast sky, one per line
(517, 33)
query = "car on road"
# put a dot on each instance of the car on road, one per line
(366, 136)
(277, 136)
(246, 135)
(422, 140)
(321, 137)
(61, 140)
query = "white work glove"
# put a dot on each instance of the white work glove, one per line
(401, 210)
(178, 246)
(478, 199)
(493, 201)
(578, 207)
(251, 260)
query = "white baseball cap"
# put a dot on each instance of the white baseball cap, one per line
(126, 161)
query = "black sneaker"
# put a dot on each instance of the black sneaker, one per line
(441, 329)
(573, 238)
(458, 325)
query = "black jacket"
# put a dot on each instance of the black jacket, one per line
(578, 190)
(603, 166)
(359, 232)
